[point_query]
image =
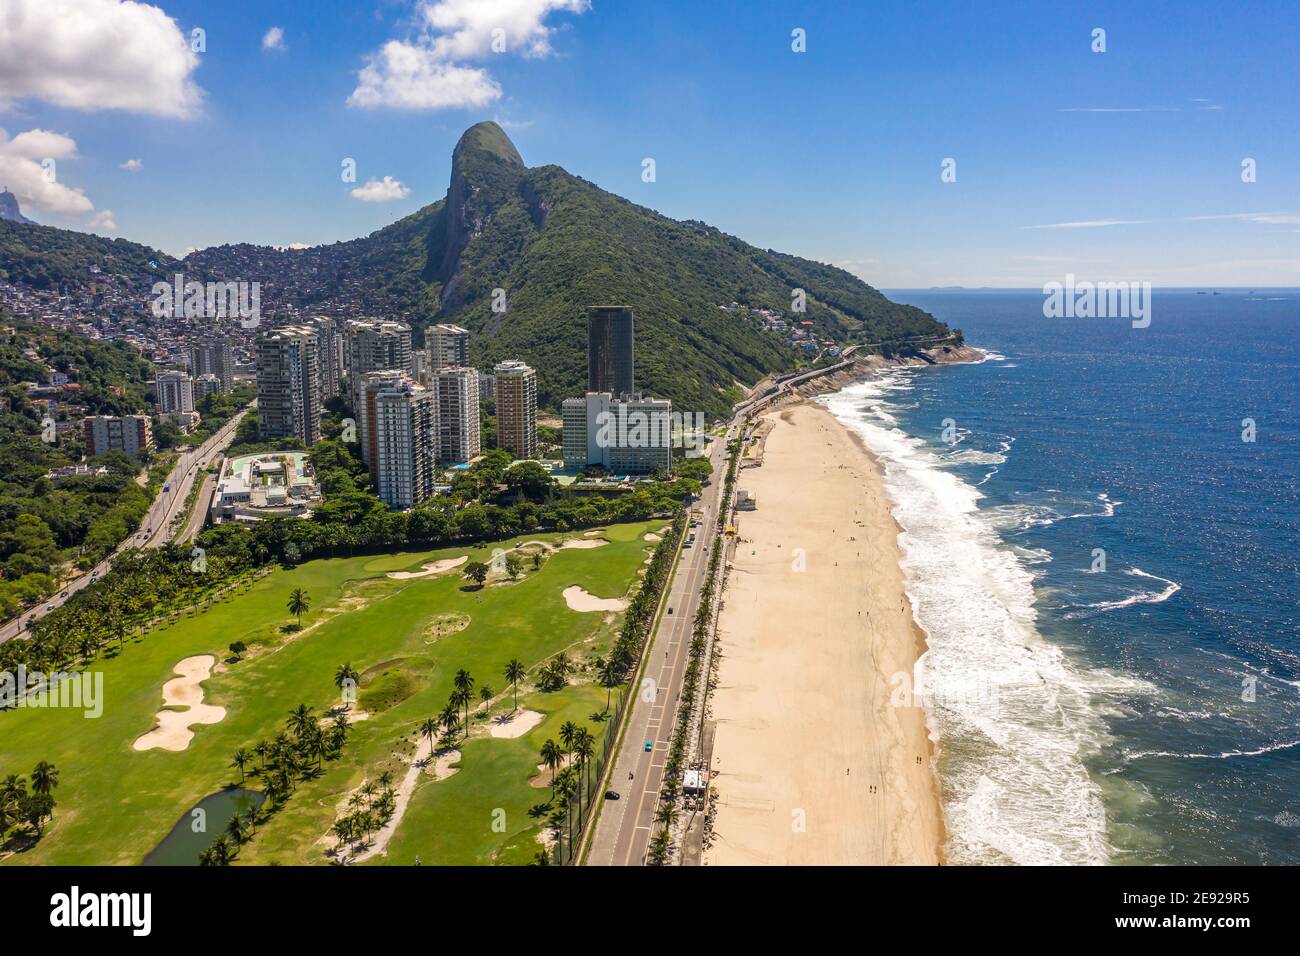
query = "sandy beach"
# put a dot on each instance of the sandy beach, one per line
(811, 761)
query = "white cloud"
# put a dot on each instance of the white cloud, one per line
(466, 28)
(29, 167)
(102, 221)
(132, 165)
(1259, 218)
(429, 71)
(1089, 224)
(273, 39)
(385, 190)
(407, 76)
(97, 54)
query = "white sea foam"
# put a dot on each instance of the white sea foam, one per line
(1222, 755)
(1142, 597)
(970, 456)
(1023, 516)
(1016, 789)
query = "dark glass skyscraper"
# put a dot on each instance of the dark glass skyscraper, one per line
(609, 350)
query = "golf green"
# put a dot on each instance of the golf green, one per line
(406, 636)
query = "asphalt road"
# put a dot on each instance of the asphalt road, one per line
(622, 836)
(623, 831)
(155, 527)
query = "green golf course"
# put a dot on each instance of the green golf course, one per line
(407, 637)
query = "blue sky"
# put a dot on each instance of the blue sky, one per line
(834, 153)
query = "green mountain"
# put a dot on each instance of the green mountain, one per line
(43, 257)
(554, 244)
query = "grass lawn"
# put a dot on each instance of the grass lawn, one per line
(115, 804)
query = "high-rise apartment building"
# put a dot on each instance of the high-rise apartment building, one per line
(175, 391)
(205, 385)
(516, 398)
(403, 414)
(327, 355)
(610, 366)
(374, 345)
(214, 357)
(371, 385)
(132, 434)
(458, 414)
(446, 346)
(288, 384)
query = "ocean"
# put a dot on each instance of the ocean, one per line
(1101, 538)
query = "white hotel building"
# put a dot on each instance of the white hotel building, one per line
(628, 436)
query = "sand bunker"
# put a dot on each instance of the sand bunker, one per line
(433, 567)
(596, 533)
(580, 600)
(651, 536)
(173, 730)
(441, 768)
(516, 725)
(589, 543)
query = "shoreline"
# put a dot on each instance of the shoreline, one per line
(812, 762)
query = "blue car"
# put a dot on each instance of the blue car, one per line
(649, 746)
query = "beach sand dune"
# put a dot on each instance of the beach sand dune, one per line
(812, 763)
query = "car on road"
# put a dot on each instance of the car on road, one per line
(49, 607)
(611, 794)
(649, 746)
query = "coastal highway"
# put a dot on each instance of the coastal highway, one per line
(622, 835)
(156, 524)
(623, 831)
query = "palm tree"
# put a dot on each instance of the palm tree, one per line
(262, 749)
(236, 829)
(515, 672)
(462, 698)
(318, 746)
(568, 733)
(299, 604)
(485, 694)
(13, 786)
(221, 853)
(449, 719)
(345, 673)
(608, 679)
(584, 745)
(300, 719)
(241, 760)
(430, 730)
(44, 778)
(464, 683)
(552, 757)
